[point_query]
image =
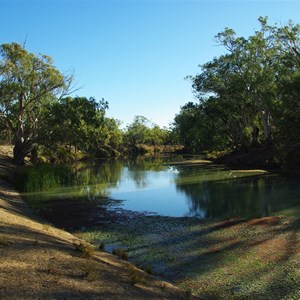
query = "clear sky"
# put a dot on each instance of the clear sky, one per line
(134, 54)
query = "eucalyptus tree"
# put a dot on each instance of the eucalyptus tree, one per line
(75, 122)
(245, 80)
(187, 126)
(158, 136)
(142, 132)
(208, 125)
(27, 83)
(288, 112)
(223, 97)
(289, 37)
(80, 123)
(137, 132)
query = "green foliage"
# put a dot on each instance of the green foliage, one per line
(249, 96)
(137, 132)
(142, 136)
(79, 124)
(198, 127)
(27, 83)
(287, 124)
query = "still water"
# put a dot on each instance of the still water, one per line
(161, 186)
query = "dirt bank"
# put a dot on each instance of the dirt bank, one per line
(229, 259)
(39, 261)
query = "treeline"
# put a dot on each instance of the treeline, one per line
(249, 98)
(41, 120)
(249, 106)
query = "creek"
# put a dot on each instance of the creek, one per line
(163, 185)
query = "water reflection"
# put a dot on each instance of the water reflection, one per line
(220, 195)
(86, 182)
(152, 184)
(137, 169)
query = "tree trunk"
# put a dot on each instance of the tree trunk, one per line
(20, 151)
(34, 155)
(265, 117)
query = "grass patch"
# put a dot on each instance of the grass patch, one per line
(244, 259)
(90, 272)
(147, 268)
(4, 240)
(101, 246)
(135, 276)
(86, 249)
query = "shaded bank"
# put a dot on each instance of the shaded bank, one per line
(232, 259)
(250, 158)
(39, 261)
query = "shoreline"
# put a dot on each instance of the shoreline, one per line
(236, 258)
(213, 259)
(39, 261)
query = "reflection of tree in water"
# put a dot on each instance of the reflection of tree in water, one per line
(96, 178)
(71, 196)
(138, 167)
(73, 182)
(86, 181)
(245, 197)
(210, 193)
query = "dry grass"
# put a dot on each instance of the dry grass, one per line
(86, 249)
(135, 276)
(4, 240)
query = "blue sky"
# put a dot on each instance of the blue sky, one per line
(134, 54)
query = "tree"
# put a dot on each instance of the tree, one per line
(80, 124)
(288, 111)
(137, 132)
(249, 96)
(204, 126)
(245, 82)
(144, 136)
(157, 136)
(186, 127)
(27, 83)
(71, 121)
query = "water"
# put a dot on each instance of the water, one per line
(156, 185)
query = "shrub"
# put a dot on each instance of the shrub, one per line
(135, 275)
(120, 253)
(86, 249)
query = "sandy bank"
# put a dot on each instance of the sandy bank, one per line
(39, 261)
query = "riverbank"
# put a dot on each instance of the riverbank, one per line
(232, 259)
(39, 261)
